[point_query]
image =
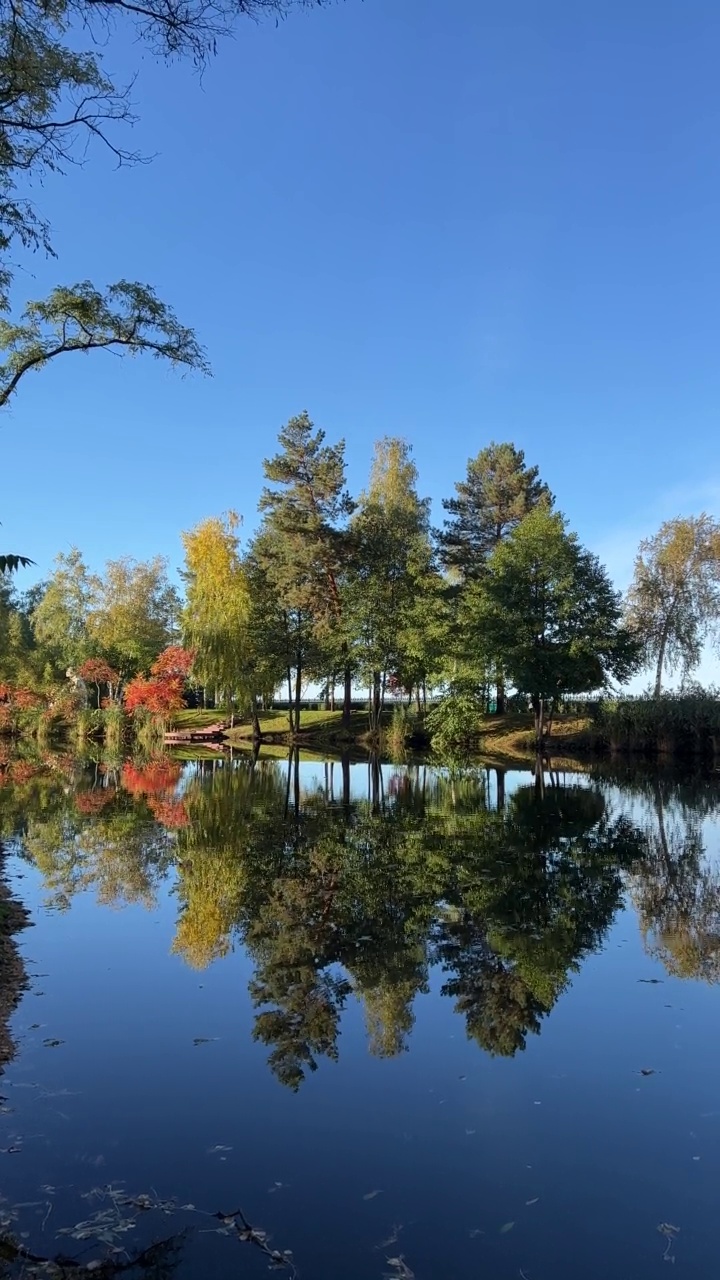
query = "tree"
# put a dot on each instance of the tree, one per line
(60, 618)
(547, 612)
(163, 692)
(303, 540)
(99, 672)
(127, 318)
(134, 614)
(56, 99)
(218, 615)
(391, 565)
(673, 604)
(498, 492)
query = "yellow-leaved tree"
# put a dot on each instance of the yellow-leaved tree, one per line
(218, 619)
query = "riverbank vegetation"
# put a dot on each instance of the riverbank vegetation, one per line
(360, 601)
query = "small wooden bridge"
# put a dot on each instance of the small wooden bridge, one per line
(197, 733)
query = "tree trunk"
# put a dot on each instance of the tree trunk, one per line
(500, 777)
(298, 691)
(257, 735)
(345, 766)
(290, 701)
(538, 705)
(296, 781)
(375, 702)
(660, 664)
(500, 696)
(347, 694)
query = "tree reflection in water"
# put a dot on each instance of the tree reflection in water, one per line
(506, 888)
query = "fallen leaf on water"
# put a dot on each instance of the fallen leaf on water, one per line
(476, 1232)
(667, 1229)
(648, 1071)
(212, 1151)
(652, 982)
(204, 1039)
(534, 1201)
(469, 1131)
(507, 1226)
(370, 1195)
(52, 1044)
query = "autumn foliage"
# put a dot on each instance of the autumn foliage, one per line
(156, 782)
(12, 700)
(162, 691)
(152, 779)
(99, 672)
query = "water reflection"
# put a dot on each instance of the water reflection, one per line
(334, 892)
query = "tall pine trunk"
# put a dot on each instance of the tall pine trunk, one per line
(500, 696)
(347, 692)
(298, 690)
(290, 701)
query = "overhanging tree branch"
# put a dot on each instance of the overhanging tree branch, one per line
(128, 318)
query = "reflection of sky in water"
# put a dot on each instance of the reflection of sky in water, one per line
(566, 1140)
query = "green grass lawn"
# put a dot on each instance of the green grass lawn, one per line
(271, 722)
(315, 722)
(196, 718)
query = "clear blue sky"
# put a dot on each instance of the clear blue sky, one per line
(445, 219)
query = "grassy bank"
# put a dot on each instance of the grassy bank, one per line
(683, 726)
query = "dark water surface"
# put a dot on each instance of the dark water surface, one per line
(399, 1017)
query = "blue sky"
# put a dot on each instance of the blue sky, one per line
(449, 220)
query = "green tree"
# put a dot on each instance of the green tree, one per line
(674, 601)
(135, 613)
(546, 611)
(391, 568)
(60, 617)
(498, 491)
(303, 541)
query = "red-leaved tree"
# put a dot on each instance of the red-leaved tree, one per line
(99, 672)
(162, 691)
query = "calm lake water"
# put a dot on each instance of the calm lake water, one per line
(409, 1021)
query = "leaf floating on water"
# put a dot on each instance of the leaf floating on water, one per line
(205, 1039)
(469, 1131)
(392, 1238)
(213, 1151)
(52, 1044)
(652, 982)
(648, 1071)
(507, 1226)
(400, 1269)
(370, 1195)
(475, 1232)
(533, 1201)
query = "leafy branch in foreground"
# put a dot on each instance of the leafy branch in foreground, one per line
(11, 563)
(127, 318)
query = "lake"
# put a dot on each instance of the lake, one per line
(385, 1020)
